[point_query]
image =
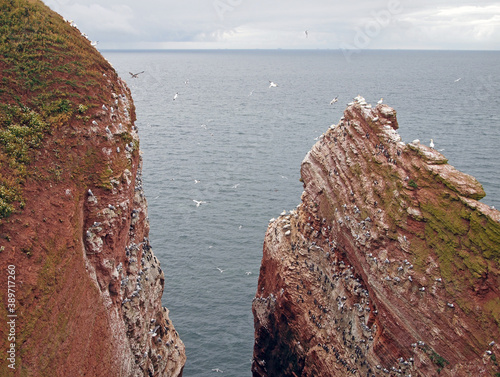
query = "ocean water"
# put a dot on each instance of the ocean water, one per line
(231, 141)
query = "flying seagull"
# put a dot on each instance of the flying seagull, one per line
(135, 75)
(220, 269)
(334, 100)
(457, 80)
(175, 96)
(272, 84)
(199, 202)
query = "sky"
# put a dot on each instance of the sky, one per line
(290, 24)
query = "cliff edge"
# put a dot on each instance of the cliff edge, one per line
(388, 267)
(81, 288)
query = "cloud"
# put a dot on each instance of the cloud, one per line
(465, 26)
(264, 24)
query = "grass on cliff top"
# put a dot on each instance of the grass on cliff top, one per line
(48, 73)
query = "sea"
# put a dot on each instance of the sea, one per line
(236, 145)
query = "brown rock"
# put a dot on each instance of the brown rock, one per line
(87, 285)
(388, 267)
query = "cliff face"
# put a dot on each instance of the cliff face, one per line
(388, 267)
(73, 216)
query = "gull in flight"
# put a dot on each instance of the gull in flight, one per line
(272, 84)
(250, 93)
(217, 370)
(175, 96)
(220, 269)
(334, 100)
(457, 80)
(135, 75)
(199, 202)
(380, 101)
(236, 185)
(196, 181)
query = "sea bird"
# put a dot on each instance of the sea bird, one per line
(380, 101)
(135, 75)
(220, 269)
(175, 96)
(457, 80)
(199, 202)
(431, 144)
(334, 100)
(272, 84)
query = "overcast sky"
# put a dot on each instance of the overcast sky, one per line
(330, 24)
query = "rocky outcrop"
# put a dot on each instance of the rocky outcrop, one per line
(388, 267)
(86, 298)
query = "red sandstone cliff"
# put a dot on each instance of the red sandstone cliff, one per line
(73, 216)
(388, 267)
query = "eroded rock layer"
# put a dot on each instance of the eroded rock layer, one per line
(73, 220)
(388, 267)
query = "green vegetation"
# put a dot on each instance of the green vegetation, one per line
(21, 130)
(43, 57)
(49, 76)
(439, 360)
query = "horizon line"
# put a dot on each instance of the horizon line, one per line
(292, 49)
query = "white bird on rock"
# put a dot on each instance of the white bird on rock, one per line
(431, 144)
(380, 101)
